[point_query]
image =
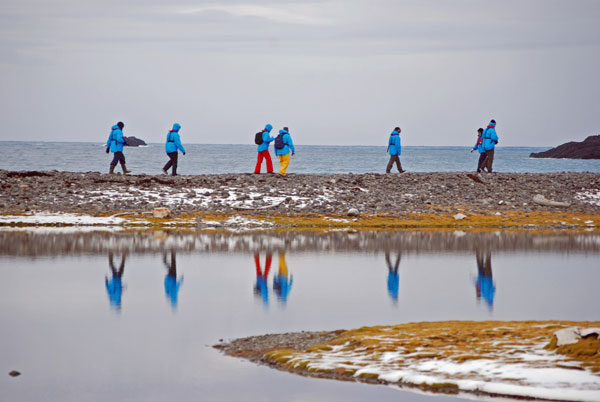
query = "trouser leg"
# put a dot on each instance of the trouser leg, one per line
(398, 164)
(481, 161)
(284, 161)
(259, 160)
(172, 162)
(269, 161)
(115, 159)
(174, 156)
(489, 160)
(388, 168)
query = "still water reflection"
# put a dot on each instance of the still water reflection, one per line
(70, 344)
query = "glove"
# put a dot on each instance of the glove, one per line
(184, 153)
(107, 150)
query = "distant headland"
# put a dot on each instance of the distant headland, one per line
(587, 149)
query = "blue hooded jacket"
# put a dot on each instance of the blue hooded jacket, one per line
(287, 144)
(173, 140)
(266, 137)
(490, 138)
(394, 147)
(479, 144)
(115, 140)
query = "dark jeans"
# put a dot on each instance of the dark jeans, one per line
(172, 162)
(394, 158)
(481, 162)
(489, 160)
(118, 157)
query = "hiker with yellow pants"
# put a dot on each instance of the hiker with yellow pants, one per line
(283, 145)
(282, 283)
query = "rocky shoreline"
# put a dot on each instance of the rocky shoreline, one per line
(334, 194)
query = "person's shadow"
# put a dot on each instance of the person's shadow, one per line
(172, 284)
(261, 287)
(484, 284)
(282, 281)
(114, 286)
(393, 280)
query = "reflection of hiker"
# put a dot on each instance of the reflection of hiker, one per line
(171, 147)
(281, 284)
(172, 285)
(263, 138)
(261, 289)
(393, 281)
(479, 147)
(283, 145)
(490, 139)
(114, 287)
(115, 143)
(394, 149)
(484, 285)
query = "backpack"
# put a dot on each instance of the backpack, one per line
(258, 138)
(279, 144)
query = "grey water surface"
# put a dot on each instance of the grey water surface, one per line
(312, 159)
(100, 315)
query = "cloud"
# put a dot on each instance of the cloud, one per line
(305, 14)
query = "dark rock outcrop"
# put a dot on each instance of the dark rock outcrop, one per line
(135, 142)
(587, 149)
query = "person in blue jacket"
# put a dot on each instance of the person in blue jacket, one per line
(263, 150)
(283, 145)
(484, 285)
(115, 143)
(490, 139)
(393, 282)
(171, 147)
(394, 149)
(479, 147)
(172, 285)
(114, 286)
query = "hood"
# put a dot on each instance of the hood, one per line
(176, 127)
(268, 127)
(115, 127)
(395, 132)
(493, 125)
(282, 132)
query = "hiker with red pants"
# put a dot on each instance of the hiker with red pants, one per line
(261, 289)
(263, 139)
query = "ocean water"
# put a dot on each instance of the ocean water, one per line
(312, 159)
(76, 336)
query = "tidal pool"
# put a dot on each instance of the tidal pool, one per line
(99, 316)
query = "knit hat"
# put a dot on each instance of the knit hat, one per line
(287, 130)
(121, 125)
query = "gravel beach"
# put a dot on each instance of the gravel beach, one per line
(95, 193)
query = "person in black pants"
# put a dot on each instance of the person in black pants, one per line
(171, 147)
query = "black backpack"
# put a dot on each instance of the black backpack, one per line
(258, 138)
(279, 142)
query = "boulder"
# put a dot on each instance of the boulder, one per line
(161, 212)
(353, 212)
(587, 149)
(135, 142)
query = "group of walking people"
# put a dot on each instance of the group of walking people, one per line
(284, 146)
(485, 145)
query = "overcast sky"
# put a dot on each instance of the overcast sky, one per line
(336, 72)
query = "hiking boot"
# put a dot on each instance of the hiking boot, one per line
(165, 171)
(125, 171)
(112, 169)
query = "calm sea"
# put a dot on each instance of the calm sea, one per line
(213, 159)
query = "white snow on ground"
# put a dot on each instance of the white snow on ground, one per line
(529, 373)
(47, 218)
(589, 196)
(233, 197)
